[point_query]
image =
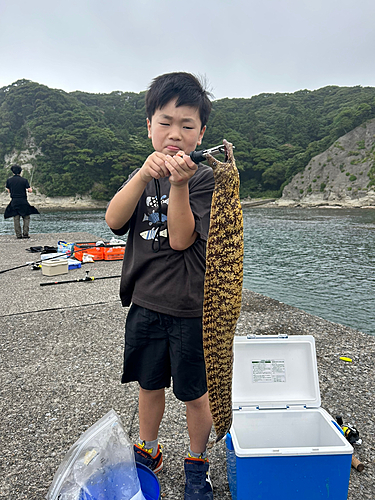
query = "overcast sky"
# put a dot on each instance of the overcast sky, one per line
(244, 48)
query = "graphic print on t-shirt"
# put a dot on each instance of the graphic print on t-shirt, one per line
(152, 217)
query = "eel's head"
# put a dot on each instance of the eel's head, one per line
(225, 171)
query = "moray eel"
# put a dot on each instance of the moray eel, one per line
(222, 288)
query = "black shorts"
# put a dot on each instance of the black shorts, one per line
(158, 347)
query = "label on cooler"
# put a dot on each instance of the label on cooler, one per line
(268, 370)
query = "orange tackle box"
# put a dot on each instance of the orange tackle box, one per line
(82, 247)
(114, 252)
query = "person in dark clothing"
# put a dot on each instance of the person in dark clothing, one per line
(19, 207)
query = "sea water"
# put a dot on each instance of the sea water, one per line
(319, 260)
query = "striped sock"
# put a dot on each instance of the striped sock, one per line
(191, 454)
(149, 446)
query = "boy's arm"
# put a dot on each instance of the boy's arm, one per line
(123, 204)
(181, 222)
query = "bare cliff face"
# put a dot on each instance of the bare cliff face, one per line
(339, 176)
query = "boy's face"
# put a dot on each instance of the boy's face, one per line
(175, 129)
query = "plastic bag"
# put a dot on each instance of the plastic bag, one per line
(64, 247)
(99, 466)
(116, 241)
(86, 258)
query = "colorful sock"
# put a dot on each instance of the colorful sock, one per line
(149, 446)
(191, 454)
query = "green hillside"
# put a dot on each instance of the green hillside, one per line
(91, 142)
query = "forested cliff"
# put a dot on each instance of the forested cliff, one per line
(80, 143)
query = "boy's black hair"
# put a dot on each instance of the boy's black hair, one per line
(16, 169)
(186, 87)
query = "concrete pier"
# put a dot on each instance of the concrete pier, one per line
(61, 363)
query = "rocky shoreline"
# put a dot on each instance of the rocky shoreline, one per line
(42, 202)
(318, 201)
(313, 203)
(78, 202)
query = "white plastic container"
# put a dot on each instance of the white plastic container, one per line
(55, 267)
(282, 444)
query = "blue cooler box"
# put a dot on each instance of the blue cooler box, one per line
(282, 444)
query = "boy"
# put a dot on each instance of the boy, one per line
(165, 205)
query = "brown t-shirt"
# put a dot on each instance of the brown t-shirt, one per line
(158, 277)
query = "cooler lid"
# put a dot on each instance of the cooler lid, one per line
(275, 372)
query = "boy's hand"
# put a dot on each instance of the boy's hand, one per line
(154, 167)
(181, 168)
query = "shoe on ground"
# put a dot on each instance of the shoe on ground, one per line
(19, 237)
(25, 236)
(144, 457)
(198, 483)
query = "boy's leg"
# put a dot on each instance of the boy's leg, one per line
(198, 484)
(189, 378)
(199, 421)
(189, 385)
(151, 410)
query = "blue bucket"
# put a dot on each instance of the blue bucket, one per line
(150, 485)
(99, 487)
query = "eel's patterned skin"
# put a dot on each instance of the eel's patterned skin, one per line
(222, 288)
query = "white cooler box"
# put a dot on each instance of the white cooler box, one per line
(282, 445)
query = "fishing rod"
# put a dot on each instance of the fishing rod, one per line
(86, 279)
(32, 175)
(34, 264)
